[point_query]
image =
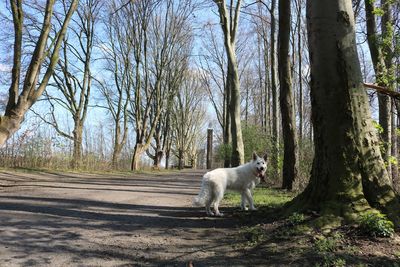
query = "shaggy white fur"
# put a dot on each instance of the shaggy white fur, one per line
(242, 179)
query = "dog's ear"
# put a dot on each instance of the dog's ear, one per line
(265, 157)
(255, 156)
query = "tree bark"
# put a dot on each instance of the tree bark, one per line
(76, 161)
(348, 175)
(137, 152)
(286, 99)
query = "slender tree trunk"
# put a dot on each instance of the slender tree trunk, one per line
(286, 99)
(348, 175)
(394, 151)
(227, 125)
(180, 159)
(275, 132)
(300, 70)
(381, 73)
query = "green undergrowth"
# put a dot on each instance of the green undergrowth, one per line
(296, 238)
(302, 245)
(262, 196)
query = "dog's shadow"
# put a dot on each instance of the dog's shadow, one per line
(199, 213)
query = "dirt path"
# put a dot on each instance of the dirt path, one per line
(53, 219)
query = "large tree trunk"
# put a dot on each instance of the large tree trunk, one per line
(348, 175)
(286, 99)
(137, 152)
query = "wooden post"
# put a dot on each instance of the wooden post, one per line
(209, 147)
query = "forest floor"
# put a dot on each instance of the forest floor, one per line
(80, 219)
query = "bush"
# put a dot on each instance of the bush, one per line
(376, 225)
(295, 218)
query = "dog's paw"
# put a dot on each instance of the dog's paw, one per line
(253, 208)
(219, 214)
(210, 213)
(244, 208)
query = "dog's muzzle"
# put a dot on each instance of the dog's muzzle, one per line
(261, 174)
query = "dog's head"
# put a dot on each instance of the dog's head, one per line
(260, 164)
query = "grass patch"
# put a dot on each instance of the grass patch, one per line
(262, 196)
(328, 243)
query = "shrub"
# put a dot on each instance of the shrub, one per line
(376, 225)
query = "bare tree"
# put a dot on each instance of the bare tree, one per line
(33, 84)
(73, 75)
(229, 20)
(153, 56)
(117, 54)
(188, 116)
(175, 75)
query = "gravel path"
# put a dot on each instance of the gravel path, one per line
(65, 219)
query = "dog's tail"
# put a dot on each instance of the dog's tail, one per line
(204, 193)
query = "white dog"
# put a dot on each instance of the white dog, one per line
(242, 179)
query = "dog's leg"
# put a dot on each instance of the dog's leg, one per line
(250, 199)
(218, 194)
(208, 207)
(243, 203)
(216, 210)
(210, 200)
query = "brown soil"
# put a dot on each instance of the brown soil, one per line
(69, 219)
